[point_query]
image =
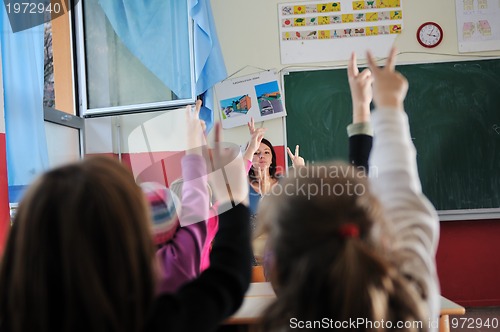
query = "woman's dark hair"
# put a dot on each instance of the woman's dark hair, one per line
(320, 271)
(252, 177)
(79, 256)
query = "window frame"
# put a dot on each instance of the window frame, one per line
(81, 80)
(64, 119)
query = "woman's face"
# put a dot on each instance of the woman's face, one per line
(262, 158)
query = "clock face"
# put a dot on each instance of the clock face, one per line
(429, 34)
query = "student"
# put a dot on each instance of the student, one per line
(183, 251)
(212, 224)
(350, 248)
(80, 256)
(360, 135)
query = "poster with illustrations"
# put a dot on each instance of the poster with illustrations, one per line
(317, 31)
(478, 25)
(257, 95)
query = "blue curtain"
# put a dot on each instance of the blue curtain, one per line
(150, 30)
(209, 63)
(155, 32)
(23, 76)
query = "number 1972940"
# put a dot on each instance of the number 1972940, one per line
(33, 8)
(474, 323)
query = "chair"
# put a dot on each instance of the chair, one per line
(258, 274)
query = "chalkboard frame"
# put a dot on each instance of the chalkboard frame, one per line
(444, 214)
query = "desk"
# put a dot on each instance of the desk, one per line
(261, 294)
(258, 297)
(448, 308)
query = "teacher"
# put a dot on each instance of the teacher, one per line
(260, 158)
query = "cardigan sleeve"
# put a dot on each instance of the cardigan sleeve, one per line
(411, 218)
(180, 258)
(195, 200)
(360, 144)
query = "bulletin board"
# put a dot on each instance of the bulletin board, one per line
(317, 31)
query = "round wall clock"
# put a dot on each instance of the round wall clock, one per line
(429, 34)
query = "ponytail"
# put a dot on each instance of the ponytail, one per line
(359, 286)
(328, 257)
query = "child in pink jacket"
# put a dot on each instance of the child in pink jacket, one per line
(183, 220)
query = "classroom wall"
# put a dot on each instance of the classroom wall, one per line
(248, 34)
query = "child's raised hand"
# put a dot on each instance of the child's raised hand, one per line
(228, 179)
(389, 86)
(361, 90)
(195, 127)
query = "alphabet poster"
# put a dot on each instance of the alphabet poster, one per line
(317, 31)
(257, 95)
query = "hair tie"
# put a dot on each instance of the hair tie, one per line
(349, 231)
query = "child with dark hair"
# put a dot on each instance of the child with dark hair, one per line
(80, 256)
(353, 248)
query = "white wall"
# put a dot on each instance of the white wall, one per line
(249, 36)
(63, 144)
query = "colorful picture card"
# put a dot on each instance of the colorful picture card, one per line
(257, 95)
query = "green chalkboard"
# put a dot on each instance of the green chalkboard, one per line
(454, 111)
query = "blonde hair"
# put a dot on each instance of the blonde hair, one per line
(318, 270)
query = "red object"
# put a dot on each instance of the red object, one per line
(429, 34)
(4, 197)
(467, 262)
(349, 230)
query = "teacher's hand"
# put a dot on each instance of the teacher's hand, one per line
(254, 143)
(297, 160)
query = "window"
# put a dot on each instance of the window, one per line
(133, 56)
(53, 137)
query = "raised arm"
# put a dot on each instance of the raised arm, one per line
(195, 200)
(180, 257)
(256, 136)
(360, 130)
(412, 219)
(204, 303)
